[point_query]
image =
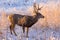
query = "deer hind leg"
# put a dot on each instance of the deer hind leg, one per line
(14, 32)
(12, 29)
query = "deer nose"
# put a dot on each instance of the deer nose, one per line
(43, 16)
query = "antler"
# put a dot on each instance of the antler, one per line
(40, 7)
(35, 8)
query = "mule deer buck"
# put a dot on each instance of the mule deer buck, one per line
(24, 20)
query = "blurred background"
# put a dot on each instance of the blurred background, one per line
(45, 29)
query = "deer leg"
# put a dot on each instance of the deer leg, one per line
(23, 29)
(12, 26)
(27, 29)
(14, 32)
(11, 29)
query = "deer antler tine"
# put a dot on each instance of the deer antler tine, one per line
(42, 7)
(38, 6)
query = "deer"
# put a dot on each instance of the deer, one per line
(24, 20)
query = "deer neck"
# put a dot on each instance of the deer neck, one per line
(35, 16)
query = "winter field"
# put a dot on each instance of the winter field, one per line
(47, 28)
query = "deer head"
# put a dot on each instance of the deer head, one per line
(36, 10)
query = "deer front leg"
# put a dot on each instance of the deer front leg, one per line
(23, 29)
(27, 29)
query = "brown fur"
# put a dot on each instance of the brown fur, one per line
(24, 20)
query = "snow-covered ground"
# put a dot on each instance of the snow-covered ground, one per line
(36, 32)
